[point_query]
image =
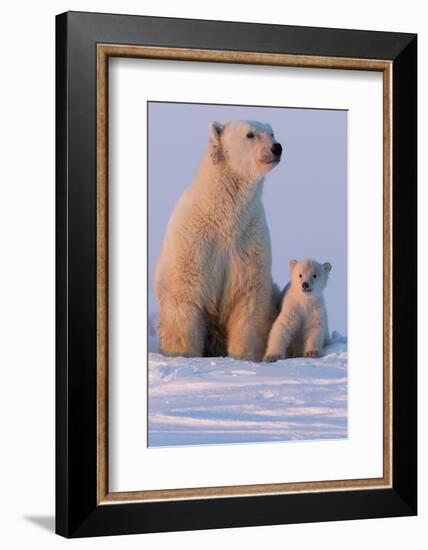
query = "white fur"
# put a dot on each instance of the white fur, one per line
(301, 328)
(213, 277)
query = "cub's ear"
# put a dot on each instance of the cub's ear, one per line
(292, 264)
(215, 129)
(327, 267)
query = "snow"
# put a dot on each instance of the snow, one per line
(199, 401)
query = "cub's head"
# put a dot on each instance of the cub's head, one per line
(248, 147)
(309, 277)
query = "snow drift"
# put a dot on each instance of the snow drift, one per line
(194, 401)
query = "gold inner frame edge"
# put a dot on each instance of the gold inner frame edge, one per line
(104, 51)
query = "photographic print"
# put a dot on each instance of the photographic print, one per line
(247, 274)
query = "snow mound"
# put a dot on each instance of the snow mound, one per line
(195, 401)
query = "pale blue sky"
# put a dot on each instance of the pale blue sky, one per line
(305, 196)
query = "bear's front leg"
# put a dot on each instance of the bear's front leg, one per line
(245, 343)
(181, 329)
(250, 295)
(314, 340)
(247, 334)
(278, 341)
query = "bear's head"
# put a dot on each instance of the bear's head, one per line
(248, 147)
(309, 277)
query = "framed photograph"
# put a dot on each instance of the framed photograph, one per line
(236, 274)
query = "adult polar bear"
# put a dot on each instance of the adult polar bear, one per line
(213, 277)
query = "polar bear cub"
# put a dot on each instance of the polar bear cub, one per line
(301, 328)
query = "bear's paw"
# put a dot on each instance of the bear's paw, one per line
(312, 353)
(271, 358)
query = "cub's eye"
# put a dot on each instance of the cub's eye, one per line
(300, 276)
(250, 135)
(315, 275)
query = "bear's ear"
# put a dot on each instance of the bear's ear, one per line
(215, 129)
(327, 267)
(292, 264)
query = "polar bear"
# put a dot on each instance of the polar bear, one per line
(213, 278)
(301, 328)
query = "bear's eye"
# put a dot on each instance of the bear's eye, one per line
(250, 135)
(315, 275)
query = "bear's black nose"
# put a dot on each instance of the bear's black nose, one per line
(276, 149)
(305, 285)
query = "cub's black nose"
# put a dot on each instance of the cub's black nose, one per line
(276, 149)
(305, 285)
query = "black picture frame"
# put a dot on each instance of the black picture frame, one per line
(78, 513)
